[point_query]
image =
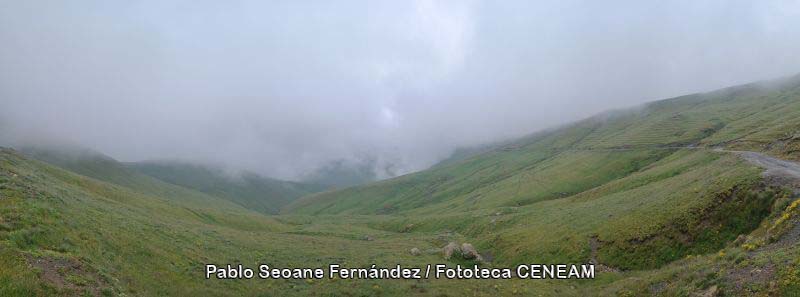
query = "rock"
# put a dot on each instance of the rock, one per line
(469, 252)
(450, 249)
(368, 238)
(710, 292)
(415, 252)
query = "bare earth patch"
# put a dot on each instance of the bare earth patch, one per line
(68, 275)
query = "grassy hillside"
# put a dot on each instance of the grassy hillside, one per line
(103, 168)
(572, 159)
(250, 190)
(636, 183)
(89, 233)
(172, 179)
(68, 234)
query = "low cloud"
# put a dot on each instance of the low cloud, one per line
(284, 88)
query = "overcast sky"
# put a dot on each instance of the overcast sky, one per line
(282, 87)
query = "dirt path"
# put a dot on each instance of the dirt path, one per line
(774, 166)
(781, 171)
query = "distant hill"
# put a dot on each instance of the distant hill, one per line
(104, 168)
(248, 189)
(342, 174)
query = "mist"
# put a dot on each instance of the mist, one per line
(283, 88)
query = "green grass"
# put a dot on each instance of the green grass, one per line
(132, 243)
(631, 208)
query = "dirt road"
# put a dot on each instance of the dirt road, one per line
(780, 172)
(775, 167)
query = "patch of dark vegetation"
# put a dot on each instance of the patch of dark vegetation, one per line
(594, 244)
(707, 229)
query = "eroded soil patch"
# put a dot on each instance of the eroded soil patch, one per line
(68, 275)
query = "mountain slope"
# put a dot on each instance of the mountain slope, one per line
(763, 116)
(103, 168)
(80, 234)
(173, 179)
(250, 190)
(634, 184)
(65, 234)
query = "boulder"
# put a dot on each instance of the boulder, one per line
(710, 292)
(450, 249)
(415, 252)
(469, 252)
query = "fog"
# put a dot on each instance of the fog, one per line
(284, 87)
